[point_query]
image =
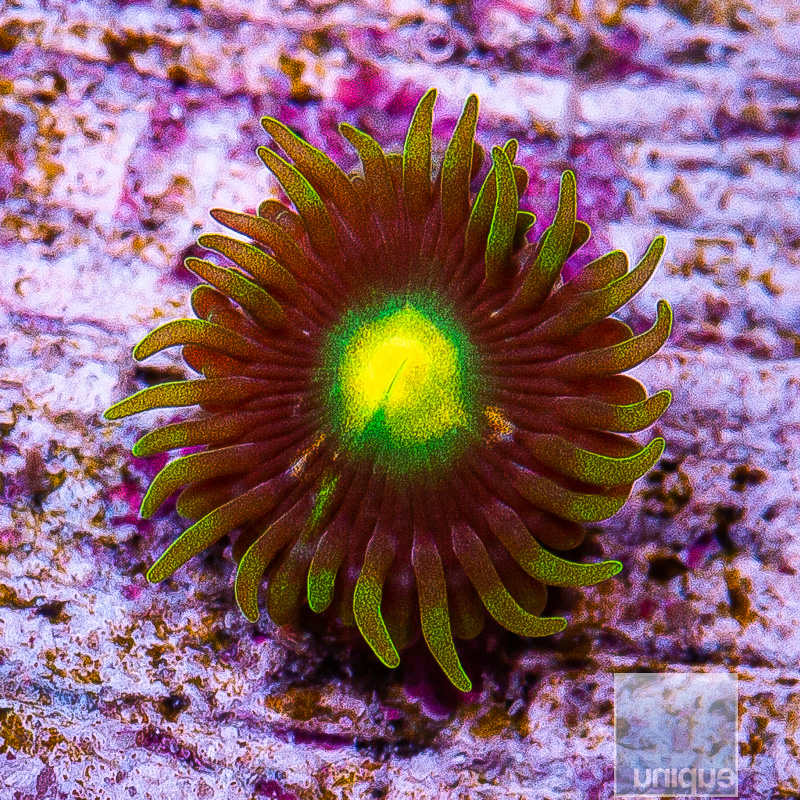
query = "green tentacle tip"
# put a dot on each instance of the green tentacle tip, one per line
(248, 577)
(663, 402)
(160, 570)
(461, 681)
(367, 611)
(119, 410)
(247, 604)
(444, 651)
(148, 507)
(168, 437)
(559, 623)
(552, 570)
(320, 589)
(501, 233)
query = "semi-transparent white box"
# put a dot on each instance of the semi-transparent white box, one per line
(675, 734)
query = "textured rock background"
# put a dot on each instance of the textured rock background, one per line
(122, 123)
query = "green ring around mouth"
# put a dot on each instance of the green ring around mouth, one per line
(400, 380)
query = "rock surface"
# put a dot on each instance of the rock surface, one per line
(122, 123)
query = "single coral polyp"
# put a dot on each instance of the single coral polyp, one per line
(402, 405)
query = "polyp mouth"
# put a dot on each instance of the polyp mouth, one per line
(400, 387)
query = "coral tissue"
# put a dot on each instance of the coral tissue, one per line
(403, 408)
